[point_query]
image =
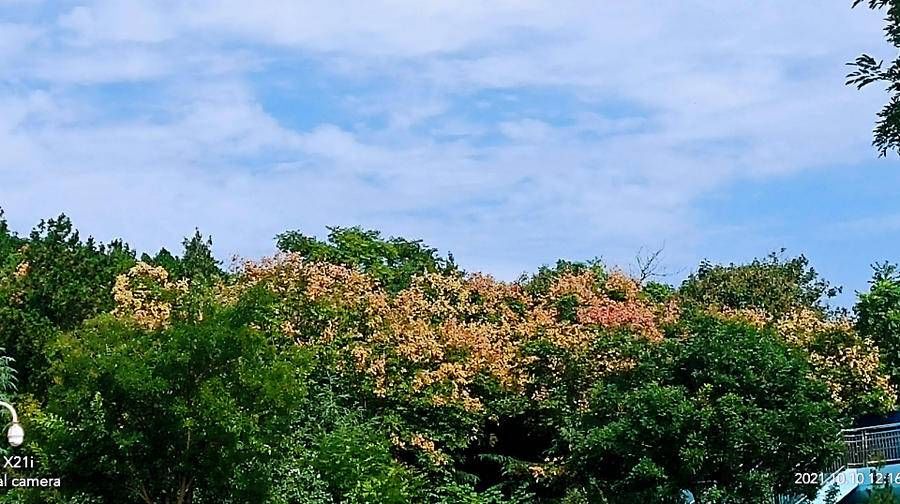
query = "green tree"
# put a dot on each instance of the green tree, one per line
(197, 262)
(868, 71)
(878, 316)
(331, 459)
(164, 259)
(392, 261)
(728, 411)
(26, 334)
(69, 280)
(8, 380)
(540, 282)
(9, 241)
(774, 285)
(191, 413)
(53, 281)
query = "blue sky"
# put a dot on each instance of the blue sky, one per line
(511, 133)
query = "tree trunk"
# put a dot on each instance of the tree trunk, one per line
(185, 490)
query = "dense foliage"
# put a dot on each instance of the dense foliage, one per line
(700, 408)
(878, 315)
(391, 262)
(369, 370)
(772, 285)
(868, 71)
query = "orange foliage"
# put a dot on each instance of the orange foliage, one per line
(848, 363)
(146, 295)
(444, 333)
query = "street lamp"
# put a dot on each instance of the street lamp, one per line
(16, 434)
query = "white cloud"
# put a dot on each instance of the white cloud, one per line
(665, 103)
(116, 21)
(15, 37)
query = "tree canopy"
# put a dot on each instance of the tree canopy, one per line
(370, 370)
(392, 261)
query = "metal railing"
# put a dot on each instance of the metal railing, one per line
(868, 446)
(790, 499)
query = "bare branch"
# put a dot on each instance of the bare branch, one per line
(648, 265)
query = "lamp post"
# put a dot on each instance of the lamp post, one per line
(16, 434)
